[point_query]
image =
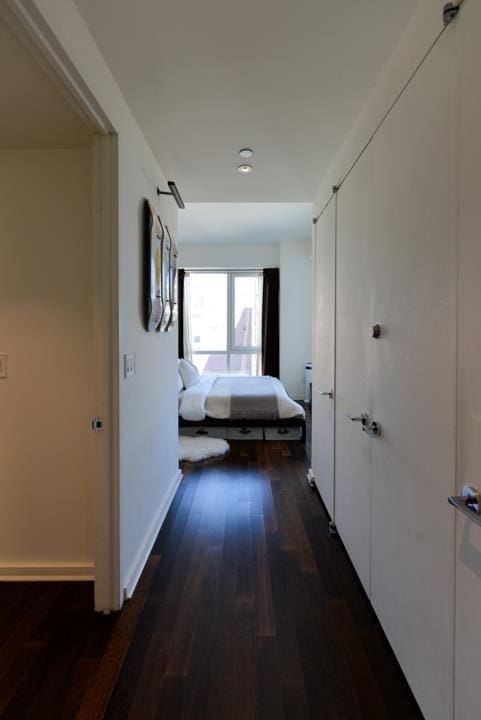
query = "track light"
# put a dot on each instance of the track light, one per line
(174, 192)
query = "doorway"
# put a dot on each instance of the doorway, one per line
(58, 165)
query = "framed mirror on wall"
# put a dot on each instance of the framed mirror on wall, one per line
(160, 273)
(172, 279)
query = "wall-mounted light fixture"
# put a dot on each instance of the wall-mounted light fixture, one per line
(174, 192)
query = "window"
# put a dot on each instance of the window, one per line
(224, 321)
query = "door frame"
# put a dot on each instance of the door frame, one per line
(315, 280)
(30, 27)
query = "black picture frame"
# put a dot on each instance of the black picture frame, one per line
(154, 236)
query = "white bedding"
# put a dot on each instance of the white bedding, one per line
(206, 400)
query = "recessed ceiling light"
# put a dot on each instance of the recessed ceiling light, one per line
(246, 152)
(245, 169)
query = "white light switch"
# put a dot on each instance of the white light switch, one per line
(129, 365)
(3, 366)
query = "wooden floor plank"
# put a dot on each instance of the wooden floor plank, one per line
(363, 681)
(265, 618)
(244, 689)
(96, 699)
(26, 625)
(26, 655)
(220, 704)
(187, 618)
(199, 676)
(270, 705)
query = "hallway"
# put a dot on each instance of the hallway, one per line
(247, 608)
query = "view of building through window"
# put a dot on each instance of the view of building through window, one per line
(225, 310)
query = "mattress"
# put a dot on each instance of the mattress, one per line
(238, 398)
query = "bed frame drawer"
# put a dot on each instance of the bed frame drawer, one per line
(282, 433)
(215, 432)
(245, 433)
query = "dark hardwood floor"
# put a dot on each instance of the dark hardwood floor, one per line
(247, 609)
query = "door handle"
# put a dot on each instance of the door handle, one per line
(469, 503)
(371, 427)
(329, 394)
(363, 418)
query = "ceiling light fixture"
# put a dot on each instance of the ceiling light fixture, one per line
(246, 152)
(244, 169)
(174, 192)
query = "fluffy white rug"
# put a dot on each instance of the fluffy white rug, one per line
(194, 449)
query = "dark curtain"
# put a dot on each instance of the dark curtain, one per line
(180, 310)
(270, 322)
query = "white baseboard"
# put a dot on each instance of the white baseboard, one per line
(133, 574)
(54, 571)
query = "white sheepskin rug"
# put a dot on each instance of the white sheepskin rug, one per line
(195, 449)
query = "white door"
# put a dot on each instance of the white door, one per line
(468, 546)
(323, 380)
(414, 263)
(353, 314)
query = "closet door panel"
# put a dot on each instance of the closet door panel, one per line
(323, 363)
(353, 312)
(468, 548)
(414, 381)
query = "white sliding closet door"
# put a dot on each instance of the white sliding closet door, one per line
(414, 264)
(353, 391)
(468, 549)
(323, 379)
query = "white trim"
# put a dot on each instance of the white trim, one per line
(17, 572)
(106, 362)
(25, 20)
(138, 564)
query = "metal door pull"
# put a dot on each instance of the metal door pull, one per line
(371, 427)
(329, 394)
(469, 503)
(362, 418)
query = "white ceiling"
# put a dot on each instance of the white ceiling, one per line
(244, 222)
(286, 77)
(34, 114)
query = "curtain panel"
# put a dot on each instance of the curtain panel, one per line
(270, 322)
(180, 309)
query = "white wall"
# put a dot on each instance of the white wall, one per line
(46, 512)
(422, 29)
(229, 255)
(148, 401)
(147, 434)
(295, 314)
(293, 258)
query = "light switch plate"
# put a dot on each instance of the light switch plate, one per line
(3, 366)
(129, 365)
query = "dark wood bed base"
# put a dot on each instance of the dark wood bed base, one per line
(210, 422)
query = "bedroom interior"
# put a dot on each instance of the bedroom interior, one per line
(237, 320)
(194, 208)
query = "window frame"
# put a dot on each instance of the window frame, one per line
(231, 347)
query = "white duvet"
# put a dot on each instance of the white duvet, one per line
(206, 400)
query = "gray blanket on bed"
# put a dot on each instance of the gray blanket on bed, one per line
(252, 398)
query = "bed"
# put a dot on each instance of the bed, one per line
(242, 402)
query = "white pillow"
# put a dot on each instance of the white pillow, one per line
(189, 373)
(180, 382)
